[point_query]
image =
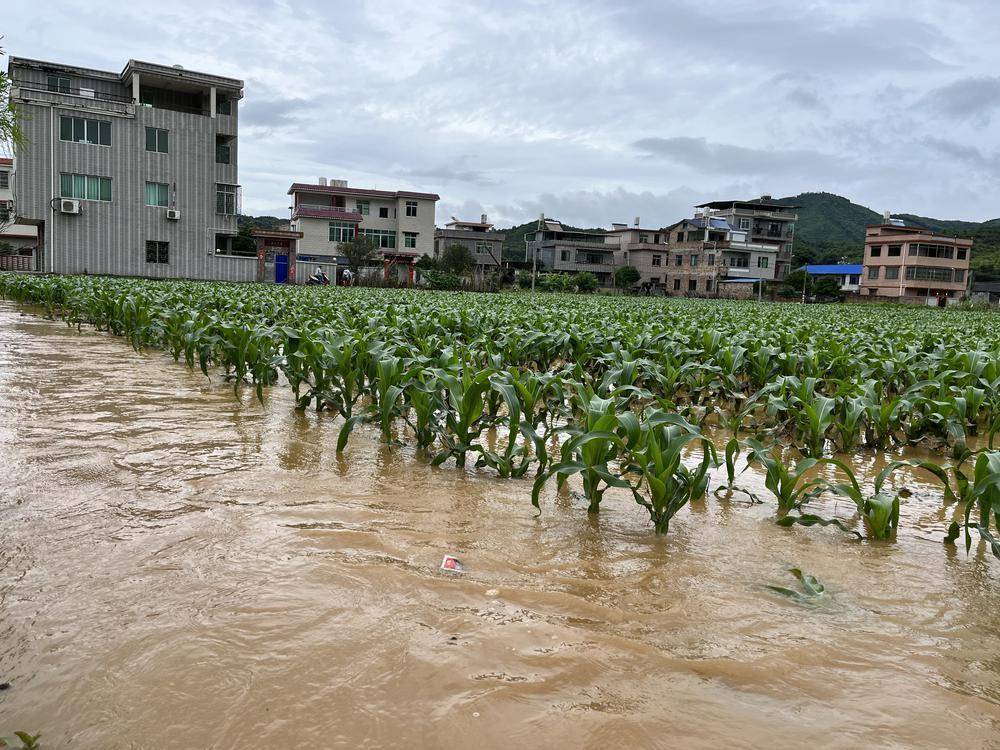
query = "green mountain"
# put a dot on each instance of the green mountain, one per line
(830, 227)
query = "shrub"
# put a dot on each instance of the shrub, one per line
(457, 259)
(586, 282)
(523, 279)
(626, 276)
(442, 280)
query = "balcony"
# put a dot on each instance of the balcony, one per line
(318, 211)
(70, 95)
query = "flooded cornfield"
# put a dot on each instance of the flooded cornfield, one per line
(185, 566)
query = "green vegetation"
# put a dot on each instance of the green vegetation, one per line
(623, 394)
(457, 259)
(626, 276)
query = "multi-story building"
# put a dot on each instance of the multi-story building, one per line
(400, 223)
(131, 173)
(914, 263)
(20, 238)
(562, 250)
(764, 221)
(485, 244)
(644, 249)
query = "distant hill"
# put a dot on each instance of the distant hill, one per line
(259, 222)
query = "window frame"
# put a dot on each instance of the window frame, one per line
(4, 179)
(411, 205)
(338, 228)
(408, 238)
(84, 126)
(873, 273)
(59, 88)
(160, 250)
(363, 207)
(87, 184)
(157, 133)
(383, 212)
(162, 194)
(220, 191)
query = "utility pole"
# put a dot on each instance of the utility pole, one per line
(805, 278)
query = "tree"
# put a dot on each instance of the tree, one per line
(243, 243)
(10, 128)
(360, 251)
(827, 286)
(6, 248)
(426, 263)
(792, 285)
(457, 259)
(626, 276)
(586, 282)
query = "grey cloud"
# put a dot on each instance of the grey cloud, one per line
(967, 97)
(805, 99)
(273, 113)
(722, 158)
(451, 174)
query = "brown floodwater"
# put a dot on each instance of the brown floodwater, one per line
(182, 567)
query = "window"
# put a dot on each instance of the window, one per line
(363, 207)
(680, 236)
(382, 238)
(959, 276)
(223, 105)
(409, 239)
(656, 239)
(643, 238)
(565, 255)
(4, 179)
(923, 250)
(763, 261)
(892, 272)
(157, 140)
(961, 253)
(744, 223)
(677, 285)
(855, 279)
(876, 251)
(157, 193)
(341, 231)
(482, 248)
(59, 83)
(657, 260)
(694, 260)
(894, 250)
(692, 285)
(912, 250)
(708, 285)
(225, 199)
(223, 149)
(84, 187)
(383, 212)
(678, 260)
(711, 259)
(82, 130)
(411, 208)
(925, 273)
(157, 252)
(872, 292)
(873, 272)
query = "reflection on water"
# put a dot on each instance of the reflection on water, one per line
(183, 567)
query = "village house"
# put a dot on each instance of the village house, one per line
(478, 237)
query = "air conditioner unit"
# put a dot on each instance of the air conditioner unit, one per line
(173, 214)
(67, 206)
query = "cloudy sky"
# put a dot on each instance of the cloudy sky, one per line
(590, 112)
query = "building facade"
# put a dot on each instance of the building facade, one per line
(400, 223)
(561, 250)
(21, 239)
(848, 275)
(765, 223)
(914, 263)
(132, 173)
(478, 237)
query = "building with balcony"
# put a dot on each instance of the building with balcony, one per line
(764, 221)
(485, 244)
(328, 213)
(913, 263)
(131, 173)
(707, 256)
(20, 238)
(644, 249)
(561, 250)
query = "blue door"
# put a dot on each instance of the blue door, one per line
(280, 269)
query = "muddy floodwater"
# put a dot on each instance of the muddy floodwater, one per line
(182, 567)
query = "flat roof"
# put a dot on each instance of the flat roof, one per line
(132, 66)
(302, 187)
(747, 204)
(837, 269)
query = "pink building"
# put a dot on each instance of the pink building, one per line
(914, 263)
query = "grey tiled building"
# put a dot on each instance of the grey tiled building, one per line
(131, 173)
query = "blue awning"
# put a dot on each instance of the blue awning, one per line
(842, 269)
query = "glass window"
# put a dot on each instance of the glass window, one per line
(341, 231)
(692, 285)
(744, 223)
(876, 251)
(894, 250)
(223, 149)
(85, 187)
(925, 273)
(678, 260)
(411, 208)
(383, 212)
(157, 194)
(157, 140)
(225, 199)
(873, 272)
(157, 252)
(59, 83)
(959, 275)
(564, 255)
(855, 279)
(657, 260)
(680, 236)
(961, 253)
(763, 262)
(223, 105)
(4, 179)
(711, 259)
(383, 238)
(82, 130)
(410, 240)
(364, 207)
(694, 260)
(892, 272)
(677, 285)
(483, 248)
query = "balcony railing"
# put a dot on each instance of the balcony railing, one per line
(328, 207)
(73, 91)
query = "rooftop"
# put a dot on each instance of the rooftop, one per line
(840, 269)
(302, 187)
(157, 70)
(764, 202)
